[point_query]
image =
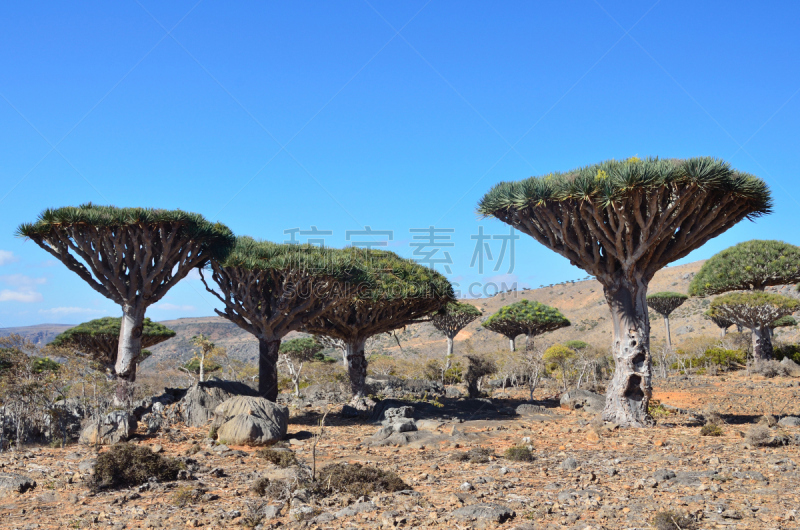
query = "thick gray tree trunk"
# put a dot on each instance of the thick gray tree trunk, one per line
(669, 339)
(631, 387)
(724, 332)
(511, 345)
(356, 366)
(448, 362)
(268, 368)
(128, 351)
(762, 344)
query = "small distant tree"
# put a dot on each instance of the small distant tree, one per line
(533, 367)
(664, 303)
(296, 352)
(206, 357)
(721, 322)
(561, 357)
(450, 320)
(526, 317)
(748, 266)
(99, 339)
(757, 311)
(623, 221)
(132, 256)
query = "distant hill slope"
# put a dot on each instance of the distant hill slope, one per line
(39, 334)
(582, 302)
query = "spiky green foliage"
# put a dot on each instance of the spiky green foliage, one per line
(217, 237)
(209, 366)
(525, 317)
(751, 265)
(99, 338)
(397, 292)
(303, 349)
(753, 309)
(664, 303)
(609, 181)
(784, 322)
(576, 344)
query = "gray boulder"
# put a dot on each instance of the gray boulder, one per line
(394, 387)
(198, 404)
(485, 511)
(789, 421)
(16, 482)
(791, 367)
(579, 399)
(67, 417)
(114, 427)
(246, 420)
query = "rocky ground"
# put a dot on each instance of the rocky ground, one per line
(583, 475)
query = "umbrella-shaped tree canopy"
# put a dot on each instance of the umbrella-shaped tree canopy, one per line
(269, 289)
(132, 256)
(664, 303)
(99, 338)
(399, 292)
(752, 265)
(529, 318)
(756, 310)
(622, 221)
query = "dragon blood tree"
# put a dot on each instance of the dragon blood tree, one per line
(529, 318)
(758, 311)
(664, 304)
(721, 322)
(403, 292)
(99, 339)
(450, 320)
(783, 322)
(622, 221)
(269, 289)
(749, 266)
(131, 255)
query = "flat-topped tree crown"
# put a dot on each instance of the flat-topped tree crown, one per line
(664, 303)
(751, 265)
(99, 338)
(131, 255)
(784, 322)
(622, 221)
(526, 317)
(399, 292)
(450, 320)
(269, 289)
(756, 310)
(454, 317)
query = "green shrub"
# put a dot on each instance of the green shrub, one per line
(212, 432)
(711, 429)
(477, 455)
(670, 520)
(279, 457)
(725, 358)
(259, 486)
(519, 453)
(126, 464)
(792, 351)
(356, 480)
(186, 495)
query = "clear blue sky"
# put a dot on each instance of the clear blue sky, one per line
(271, 116)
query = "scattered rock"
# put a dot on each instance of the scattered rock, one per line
(570, 464)
(114, 427)
(247, 420)
(198, 404)
(16, 482)
(579, 399)
(359, 507)
(484, 511)
(792, 368)
(789, 421)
